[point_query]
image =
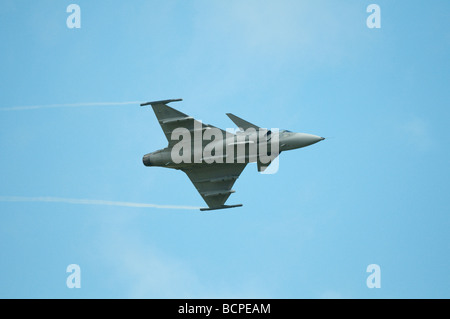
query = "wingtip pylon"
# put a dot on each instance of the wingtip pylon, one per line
(161, 102)
(220, 207)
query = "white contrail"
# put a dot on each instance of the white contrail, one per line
(34, 107)
(90, 202)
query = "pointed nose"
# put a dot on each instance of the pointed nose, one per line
(308, 139)
(299, 140)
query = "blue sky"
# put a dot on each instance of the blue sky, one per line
(374, 192)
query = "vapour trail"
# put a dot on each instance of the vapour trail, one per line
(34, 107)
(90, 202)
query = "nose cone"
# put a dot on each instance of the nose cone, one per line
(309, 139)
(298, 140)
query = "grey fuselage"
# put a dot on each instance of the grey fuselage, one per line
(241, 147)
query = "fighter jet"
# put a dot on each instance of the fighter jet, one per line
(213, 158)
